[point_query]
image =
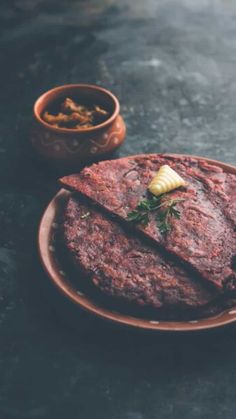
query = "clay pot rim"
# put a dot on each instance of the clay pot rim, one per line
(55, 90)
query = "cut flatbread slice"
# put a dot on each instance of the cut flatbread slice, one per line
(203, 237)
(121, 266)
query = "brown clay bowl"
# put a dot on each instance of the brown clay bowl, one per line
(61, 279)
(71, 146)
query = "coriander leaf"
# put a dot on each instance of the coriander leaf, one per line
(174, 212)
(164, 227)
(165, 209)
(144, 220)
(143, 205)
(133, 215)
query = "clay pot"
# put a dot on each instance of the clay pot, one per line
(70, 146)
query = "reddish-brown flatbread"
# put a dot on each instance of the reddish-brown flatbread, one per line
(122, 266)
(204, 237)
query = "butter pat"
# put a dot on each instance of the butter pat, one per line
(165, 180)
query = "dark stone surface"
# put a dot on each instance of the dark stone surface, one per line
(172, 64)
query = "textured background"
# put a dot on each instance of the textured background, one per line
(173, 66)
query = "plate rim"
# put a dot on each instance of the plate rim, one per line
(46, 254)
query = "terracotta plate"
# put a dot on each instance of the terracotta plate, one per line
(60, 278)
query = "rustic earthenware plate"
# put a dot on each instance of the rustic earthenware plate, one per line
(61, 279)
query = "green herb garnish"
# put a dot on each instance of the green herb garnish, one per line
(164, 206)
(167, 211)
